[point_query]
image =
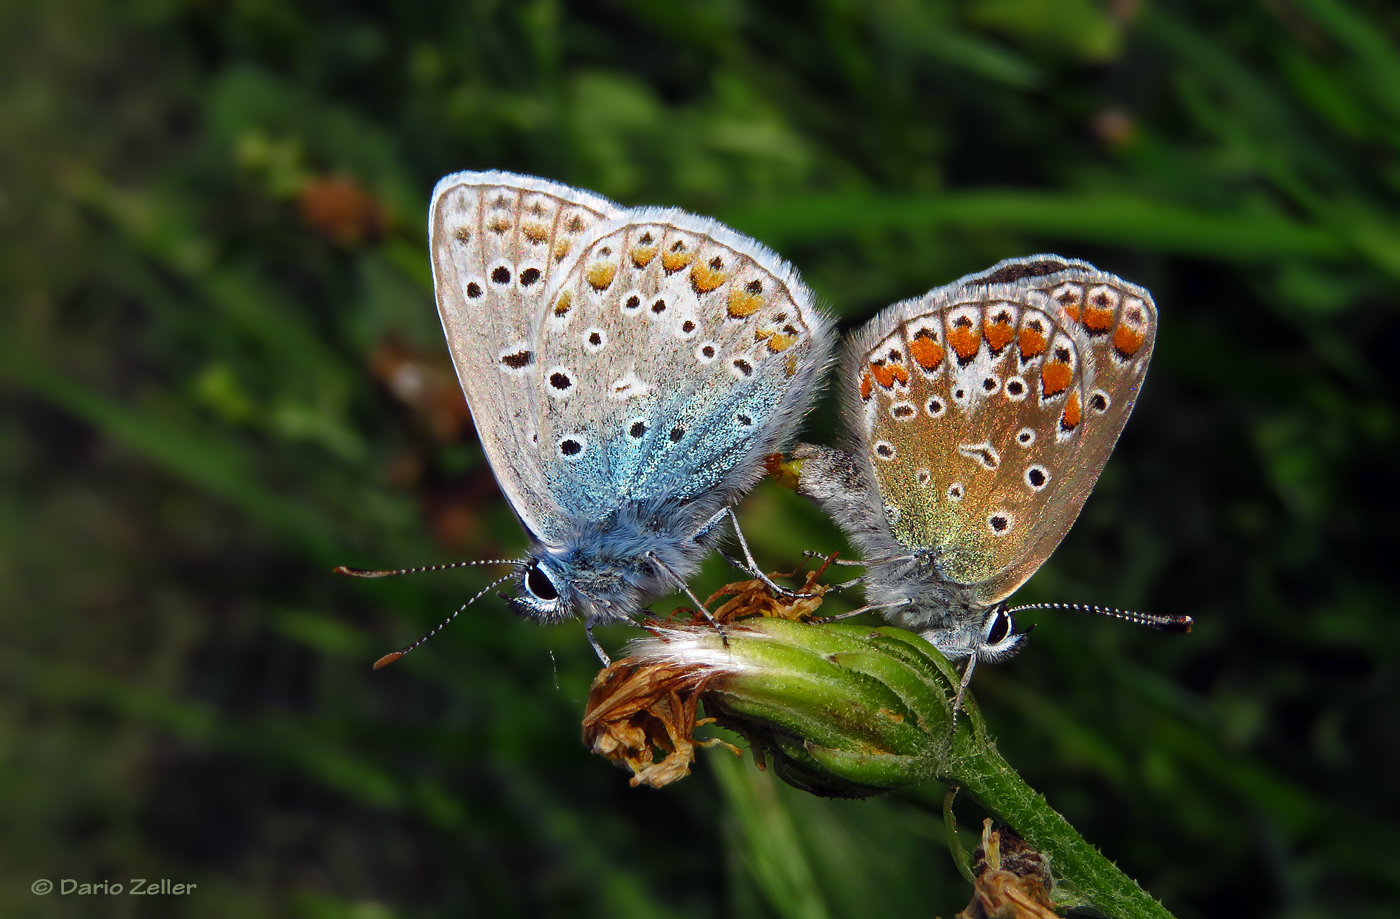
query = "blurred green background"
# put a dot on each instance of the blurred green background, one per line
(223, 374)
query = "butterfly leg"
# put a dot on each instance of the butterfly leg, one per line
(597, 648)
(865, 609)
(844, 585)
(685, 588)
(749, 565)
(844, 562)
(962, 688)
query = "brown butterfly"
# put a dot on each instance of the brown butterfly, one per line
(980, 416)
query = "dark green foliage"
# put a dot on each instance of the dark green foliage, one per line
(192, 436)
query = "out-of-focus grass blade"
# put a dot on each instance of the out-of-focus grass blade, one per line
(1366, 43)
(324, 634)
(1117, 219)
(162, 228)
(776, 857)
(622, 891)
(218, 467)
(974, 54)
(287, 740)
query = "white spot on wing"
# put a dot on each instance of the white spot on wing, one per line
(1037, 477)
(629, 386)
(983, 454)
(559, 382)
(903, 410)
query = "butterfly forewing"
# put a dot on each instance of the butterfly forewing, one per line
(498, 240)
(672, 355)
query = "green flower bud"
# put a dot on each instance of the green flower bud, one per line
(843, 709)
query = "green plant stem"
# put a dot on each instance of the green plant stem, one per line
(852, 711)
(1084, 877)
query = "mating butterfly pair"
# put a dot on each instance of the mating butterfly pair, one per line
(629, 369)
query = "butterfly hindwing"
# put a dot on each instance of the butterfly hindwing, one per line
(674, 354)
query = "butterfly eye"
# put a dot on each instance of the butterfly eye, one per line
(539, 585)
(999, 628)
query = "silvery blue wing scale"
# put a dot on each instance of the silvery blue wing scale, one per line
(979, 417)
(627, 371)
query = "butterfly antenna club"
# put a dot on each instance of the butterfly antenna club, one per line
(1181, 624)
(395, 655)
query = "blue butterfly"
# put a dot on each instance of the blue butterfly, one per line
(627, 370)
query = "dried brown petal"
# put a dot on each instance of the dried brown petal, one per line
(753, 598)
(643, 715)
(1013, 880)
(637, 711)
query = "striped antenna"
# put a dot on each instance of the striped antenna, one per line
(1151, 620)
(395, 655)
(376, 573)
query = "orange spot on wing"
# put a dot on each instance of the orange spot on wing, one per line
(1071, 297)
(927, 352)
(600, 275)
(642, 255)
(1097, 318)
(1055, 378)
(865, 387)
(1128, 340)
(998, 334)
(535, 232)
(705, 279)
(676, 259)
(883, 374)
(781, 342)
(966, 343)
(1032, 343)
(742, 304)
(561, 306)
(1069, 419)
(561, 249)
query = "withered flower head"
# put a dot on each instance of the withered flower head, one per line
(842, 709)
(846, 710)
(1012, 879)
